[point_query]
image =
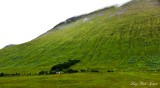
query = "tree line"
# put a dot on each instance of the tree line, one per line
(56, 69)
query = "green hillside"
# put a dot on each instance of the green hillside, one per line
(123, 38)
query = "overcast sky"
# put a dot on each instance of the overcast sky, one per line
(24, 20)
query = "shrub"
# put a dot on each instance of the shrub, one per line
(93, 70)
(17, 74)
(65, 65)
(83, 70)
(52, 72)
(109, 70)
(70, 71)
(43, 73)
(2, 74)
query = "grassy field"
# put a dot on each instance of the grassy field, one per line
(84, 80)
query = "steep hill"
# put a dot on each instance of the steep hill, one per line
(123, 38)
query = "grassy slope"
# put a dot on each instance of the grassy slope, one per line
(125, 38)
(78, 80)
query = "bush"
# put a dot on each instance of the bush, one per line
(43, 73)
(109, 70)
(52, 72)
(93, 70)
(2, 74)
(17, 74)
(65, 65)
(83, 70)
(70, 71)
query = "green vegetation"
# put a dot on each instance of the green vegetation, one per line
(84, 80)
(123, 42)
(119, 39)
(65, 65)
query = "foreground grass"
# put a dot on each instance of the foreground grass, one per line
(84, 80)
